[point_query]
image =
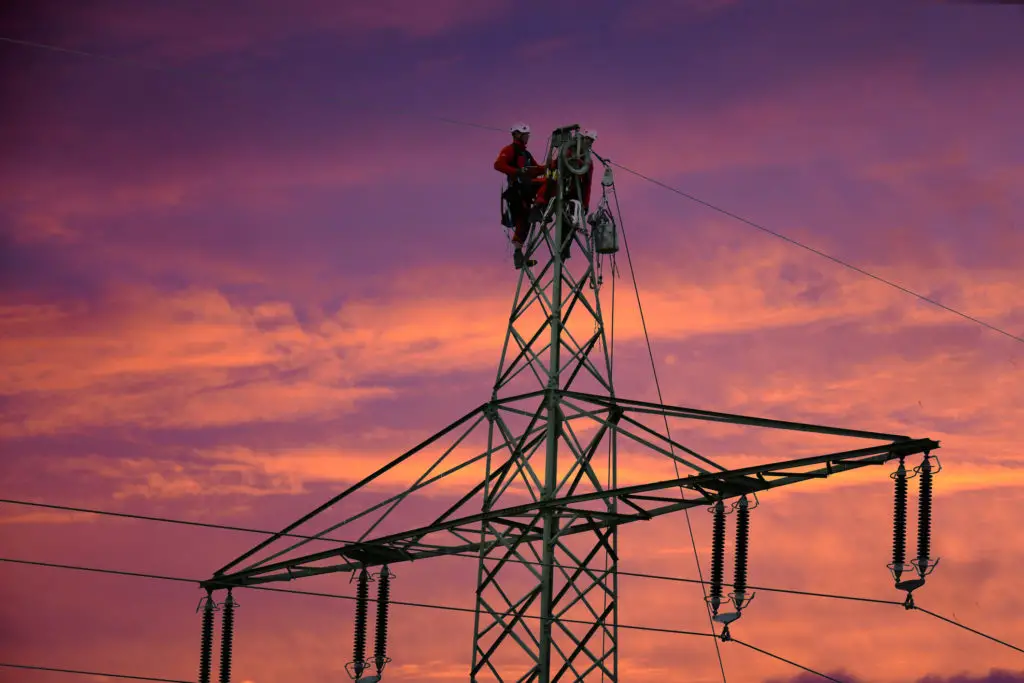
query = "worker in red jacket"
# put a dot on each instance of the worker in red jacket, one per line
(522, 170)
(550, 186)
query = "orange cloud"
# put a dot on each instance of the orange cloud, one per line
(168, 362)
(223, 387)
(196, 359)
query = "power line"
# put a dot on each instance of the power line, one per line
(224, 527)
(464, 123)
(105, 674)
(818, 252)
(968, 628)
(336, 596)
(82, 53)
(90, 673)
(709, 205)
(668, 430)
(783, 659)
(448, 608)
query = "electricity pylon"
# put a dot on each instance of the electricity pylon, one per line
(535, 506)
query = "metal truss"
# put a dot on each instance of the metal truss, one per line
(449, 534)
(526, 571)
(542, 506)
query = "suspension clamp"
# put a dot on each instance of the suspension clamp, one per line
(935, 464)
(752, 494)
(207, 602)
(356, 572)
(925, 568)
(741, 600)
(356, 669)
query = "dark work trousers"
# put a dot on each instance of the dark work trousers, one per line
(519, 201)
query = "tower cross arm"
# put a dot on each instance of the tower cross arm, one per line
(646, 407)
(521, 521)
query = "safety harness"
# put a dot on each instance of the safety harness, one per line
(513, 191)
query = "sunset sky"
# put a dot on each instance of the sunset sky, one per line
(245, 261)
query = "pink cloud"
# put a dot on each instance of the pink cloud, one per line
(753, 326)
(140, 360)
(172, 361)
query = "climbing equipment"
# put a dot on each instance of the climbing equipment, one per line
(507, 220)
(574, 212)
(606, 239)
(570, 152)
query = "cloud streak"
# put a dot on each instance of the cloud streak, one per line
(231, 290)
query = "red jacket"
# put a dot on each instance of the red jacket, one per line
(514, 157)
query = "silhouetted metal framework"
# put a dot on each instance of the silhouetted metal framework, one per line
(544, 514)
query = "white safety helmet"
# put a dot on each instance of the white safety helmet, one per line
(589, 133)
(520, 128)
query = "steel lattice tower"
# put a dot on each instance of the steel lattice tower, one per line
(556, 337)
(543, 513)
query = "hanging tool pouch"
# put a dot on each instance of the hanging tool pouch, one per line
(508, 195)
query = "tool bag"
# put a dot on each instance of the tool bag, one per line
(506, 206)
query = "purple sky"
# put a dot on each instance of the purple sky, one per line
(242, 259)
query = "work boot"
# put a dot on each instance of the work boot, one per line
(518, 259)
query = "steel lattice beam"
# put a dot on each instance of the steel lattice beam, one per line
(708, 488)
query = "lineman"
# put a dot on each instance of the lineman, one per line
(522, 170)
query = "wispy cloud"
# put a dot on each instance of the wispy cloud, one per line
(231, 291)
